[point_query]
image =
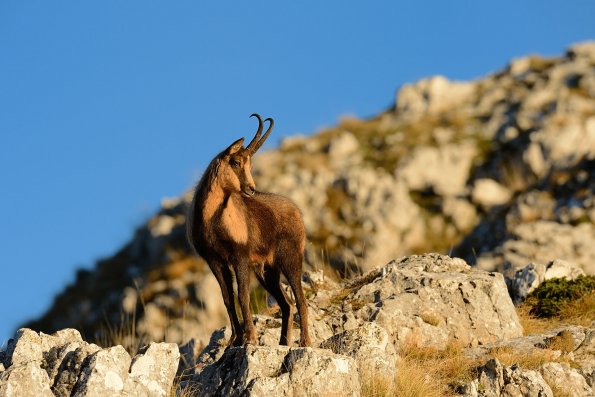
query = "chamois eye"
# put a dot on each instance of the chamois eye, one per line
(235, 163)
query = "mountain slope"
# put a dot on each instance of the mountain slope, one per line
(499, 171)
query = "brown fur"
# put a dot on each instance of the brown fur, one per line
(240, 231)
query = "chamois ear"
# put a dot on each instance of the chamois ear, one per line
(234, 147)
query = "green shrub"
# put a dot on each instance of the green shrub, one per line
(552, 295)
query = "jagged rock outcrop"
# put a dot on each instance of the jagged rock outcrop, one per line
(496, 380)
(570, 370)
(63, 364)
(361, 327)
(429, 300)
(499, 171)
(278, 371)
(575, 344)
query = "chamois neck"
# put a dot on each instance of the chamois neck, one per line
(213, 196)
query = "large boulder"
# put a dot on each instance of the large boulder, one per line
(431, 298)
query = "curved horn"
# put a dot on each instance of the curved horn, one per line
(266, 134)
(254, 141)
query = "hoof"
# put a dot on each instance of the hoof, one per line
(234, 341)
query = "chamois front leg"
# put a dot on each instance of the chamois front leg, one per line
(225, 279)
(243, 273)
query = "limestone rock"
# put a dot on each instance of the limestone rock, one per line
(525, 280)
(25, 347)
(542, 242)
(462, 213)
(577, 340)
(495, 380)
(104, 373)
(153, 370)
(584, 50)
(434, 299)
(29, 351)
(566, 378)
(432, 96)
(371, 348)
(344, 149)
(489, 193)
(279, 371)
(29, 345)
(570, 343)
(431, 298)
(25, 380)
(445, 169)
(64, 365)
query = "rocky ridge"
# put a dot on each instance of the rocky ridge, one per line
(62, 364)
(499, 171)
(361, 329)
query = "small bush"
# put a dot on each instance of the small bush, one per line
(550, 298)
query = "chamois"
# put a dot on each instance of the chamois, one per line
(235, 228)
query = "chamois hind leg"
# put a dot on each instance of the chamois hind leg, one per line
(243, 272)
(225, 279)
(271, 282)
(292, 270)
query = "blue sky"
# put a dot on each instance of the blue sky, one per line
(108, 106)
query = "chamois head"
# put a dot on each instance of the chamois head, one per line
(236, 161)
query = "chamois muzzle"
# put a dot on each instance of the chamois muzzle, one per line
(248, 191)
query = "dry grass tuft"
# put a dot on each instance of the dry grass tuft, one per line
(531, 324)
(373, 385)
(123, 333)
(424, 371)
(564, 342)
(187, 389)
(415, 380)
(340, 296)
(449, 365)
(577, 312)
(580, 311)
(559, 391)
(526, 359)
(429, 371)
